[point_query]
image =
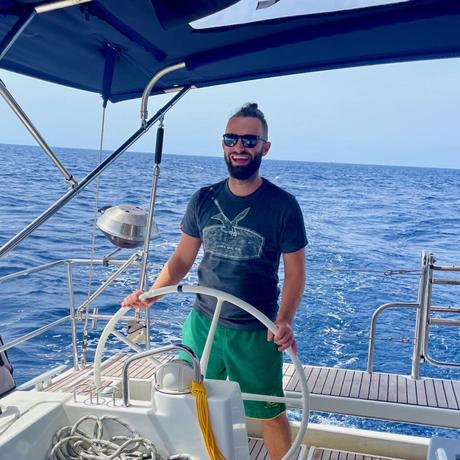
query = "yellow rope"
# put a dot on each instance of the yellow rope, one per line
(199, 391)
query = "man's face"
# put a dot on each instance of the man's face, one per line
(244, 162)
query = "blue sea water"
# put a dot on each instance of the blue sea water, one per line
(361, 220)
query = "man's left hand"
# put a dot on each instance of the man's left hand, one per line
(284, 338)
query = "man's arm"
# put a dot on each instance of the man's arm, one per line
(173, 271)
(291, 295)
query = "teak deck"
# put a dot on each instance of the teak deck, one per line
(350, 392)
(379, 395)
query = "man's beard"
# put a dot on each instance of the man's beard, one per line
(244, 172)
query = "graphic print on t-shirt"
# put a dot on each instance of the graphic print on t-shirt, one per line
(230, 241)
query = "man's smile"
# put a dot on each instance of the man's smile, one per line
(240, 159)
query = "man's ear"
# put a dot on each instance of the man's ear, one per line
(266, 148)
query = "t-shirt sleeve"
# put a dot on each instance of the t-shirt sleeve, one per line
(189, 224)
(293, 236)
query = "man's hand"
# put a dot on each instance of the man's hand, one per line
(284, 338)
(132, 300)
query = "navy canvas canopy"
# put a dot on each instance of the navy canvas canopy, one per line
(114, 47)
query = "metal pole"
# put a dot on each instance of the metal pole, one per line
(72, 316)
(34, 333)
(15, 33)
(151, 84)
(24, 233)
(377, 312)
(14, 106)
(419, 326)
(107, 283)
(153, 194)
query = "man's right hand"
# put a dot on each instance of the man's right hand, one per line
(133, 301)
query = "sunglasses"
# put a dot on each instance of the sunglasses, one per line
(248, 140)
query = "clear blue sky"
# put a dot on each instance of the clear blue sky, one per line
(398, 114)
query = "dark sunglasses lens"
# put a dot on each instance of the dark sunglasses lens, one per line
(249, 140)
(230, 139)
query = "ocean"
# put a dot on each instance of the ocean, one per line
(361, 221)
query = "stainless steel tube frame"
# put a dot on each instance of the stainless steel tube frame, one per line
(43, 267)
(107, 282)
(25, 232)
(145, 255)
(34, 333)
(125, 382)
(15, 33)
(151, 84)
(420, 322)
(375, 315)
(72, 316)
(14, 106)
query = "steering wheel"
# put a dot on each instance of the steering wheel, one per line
(221, 297)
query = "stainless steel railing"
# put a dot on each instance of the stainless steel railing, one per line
(424, 318)
(75, 314)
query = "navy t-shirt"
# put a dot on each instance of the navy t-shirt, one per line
(243, 239)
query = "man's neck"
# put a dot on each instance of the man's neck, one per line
(244, 187)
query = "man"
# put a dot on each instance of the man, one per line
(245, 224)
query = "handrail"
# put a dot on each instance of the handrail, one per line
(34, 333)
(437, 309)
(43, 267)
(446, 268)
(423, 317)
(71, 317)
(107, 283)
(375, 315)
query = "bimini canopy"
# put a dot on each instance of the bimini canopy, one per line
(115, 47)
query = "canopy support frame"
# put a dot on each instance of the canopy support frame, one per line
(16, 108)
(15, 33)
(26, 231)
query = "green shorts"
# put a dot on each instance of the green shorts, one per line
(245, 357)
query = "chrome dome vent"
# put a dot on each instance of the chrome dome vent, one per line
(125, 225)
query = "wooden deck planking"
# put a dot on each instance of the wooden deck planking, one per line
(321, 380)
(334, 455)
(421, 393)
(311, 379)
(257, 451)
(338, 382)
(327, 388)
(456, 386)
(383, 387)
(401, 389)
(356, 384)
(430, 393)
(288, 372)
(328, 454)
(452, 402)
(365, 386)
(440, 394)
(346, 386)
(389, 388)
(392, 388)
(374, 387)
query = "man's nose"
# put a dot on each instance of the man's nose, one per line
(239, 145)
